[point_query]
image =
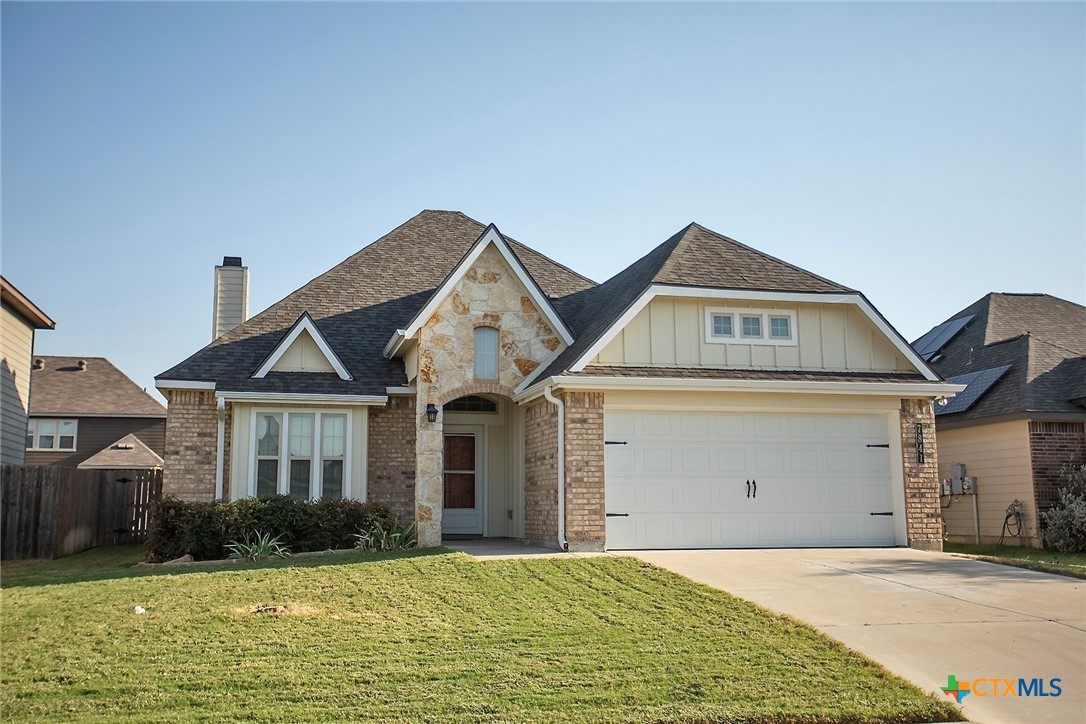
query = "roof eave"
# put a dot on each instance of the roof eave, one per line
(24, 307)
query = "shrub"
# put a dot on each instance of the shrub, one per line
(1065, 522)
(204, 530)
(261, 546)
(386, 536)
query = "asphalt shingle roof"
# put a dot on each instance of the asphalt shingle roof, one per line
(61, 388)
(1040, 337)
(127, 453)
(357, 306)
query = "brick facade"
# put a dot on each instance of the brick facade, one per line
(391, 464)
(191, 445)
(586, 519)
(541, 474)
(923, 518)
(1053, 445)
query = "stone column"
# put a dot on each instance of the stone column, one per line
(923, 516)
(429, 451)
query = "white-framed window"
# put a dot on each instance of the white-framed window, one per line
(725, 325)
(486, 353)
(305, 454)
(49, 434)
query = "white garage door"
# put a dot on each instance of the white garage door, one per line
(746, 480)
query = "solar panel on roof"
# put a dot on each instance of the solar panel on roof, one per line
(977, 383)
(937, 338)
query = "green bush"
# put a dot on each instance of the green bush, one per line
(204, 530)
(1065, 522)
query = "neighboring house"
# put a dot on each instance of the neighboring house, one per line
(85, 410)
(20, 318)
(707, 396)
(1022, 415)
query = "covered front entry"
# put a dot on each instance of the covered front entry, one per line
(691, 479)
(462, 480)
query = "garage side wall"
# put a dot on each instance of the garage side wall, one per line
(541, 474)
(586, 528)
(923, 518)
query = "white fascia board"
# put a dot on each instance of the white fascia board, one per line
(745, 294)
(305, 323)
(490, 236)
(162, 384)
(302, 397)
(401, 391)
(395, 342)
(646, 384)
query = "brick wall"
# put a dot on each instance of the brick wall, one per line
(188, 470)
(923, 518)
(391, 465)
(228, 434)
(586, 528)
(1051, 446)
(541, 473)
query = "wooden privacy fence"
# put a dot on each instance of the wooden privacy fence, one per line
(49, 511)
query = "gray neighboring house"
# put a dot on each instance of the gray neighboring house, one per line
(1022, 415)
(707, 396)
(86, 411)
(20, 319)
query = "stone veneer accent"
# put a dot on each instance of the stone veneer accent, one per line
(586, 519)
(489, 295)
(391, 465)
(1053, 445)
(923, 519)
(191, 445)
(541, 474)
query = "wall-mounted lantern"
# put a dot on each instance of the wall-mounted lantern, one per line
(431, 412)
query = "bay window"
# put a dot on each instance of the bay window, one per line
(303, 454)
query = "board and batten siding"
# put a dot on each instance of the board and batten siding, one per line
(303, 355)
(16, 346)
(236, 469)
(670, 332)
(94, 434)
(998, 456)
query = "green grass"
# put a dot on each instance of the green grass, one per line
(431, 635)
(1068, 564)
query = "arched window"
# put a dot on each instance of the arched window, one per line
(486, 353)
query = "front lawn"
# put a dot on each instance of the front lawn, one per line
(435, 636)
(1068, 564)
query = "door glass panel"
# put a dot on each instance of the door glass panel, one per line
(459, 471)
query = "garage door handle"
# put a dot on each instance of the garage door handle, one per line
(755, 488)
(890, 513)
(627, 515)
(748, 488)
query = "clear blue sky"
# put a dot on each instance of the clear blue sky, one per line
(924, 153)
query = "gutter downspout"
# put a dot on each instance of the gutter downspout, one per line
(220, 447)
(562, 542)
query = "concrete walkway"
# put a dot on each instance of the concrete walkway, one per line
(924, 616)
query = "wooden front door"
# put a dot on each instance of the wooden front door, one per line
(462, 488)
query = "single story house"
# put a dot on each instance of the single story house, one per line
(84, 412)
(709, 395)
(1022, 415)
(20, 318)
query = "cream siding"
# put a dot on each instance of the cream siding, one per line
(231, 301)
(16, 346)
(303, 355)
(241, 445)
(997, 455)
(670, 331)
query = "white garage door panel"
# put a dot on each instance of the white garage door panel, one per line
(681, 480)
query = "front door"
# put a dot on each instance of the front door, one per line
(463, 485)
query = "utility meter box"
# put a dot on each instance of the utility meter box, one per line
(963, 486)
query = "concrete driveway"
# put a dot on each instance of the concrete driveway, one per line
(924, 616)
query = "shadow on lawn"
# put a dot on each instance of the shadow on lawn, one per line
(115, 562)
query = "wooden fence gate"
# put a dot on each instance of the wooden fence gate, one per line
(53, 511)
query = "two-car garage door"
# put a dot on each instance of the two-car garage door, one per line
(747, 480)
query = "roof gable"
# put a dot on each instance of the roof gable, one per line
(295, 341)
(60, 387)
(127, 453)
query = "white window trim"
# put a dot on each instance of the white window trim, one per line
(31, 423)
(283, 485)
(737, 314)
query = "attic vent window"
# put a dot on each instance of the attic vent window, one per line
(737, 325)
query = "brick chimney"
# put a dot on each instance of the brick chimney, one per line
(231, 296)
